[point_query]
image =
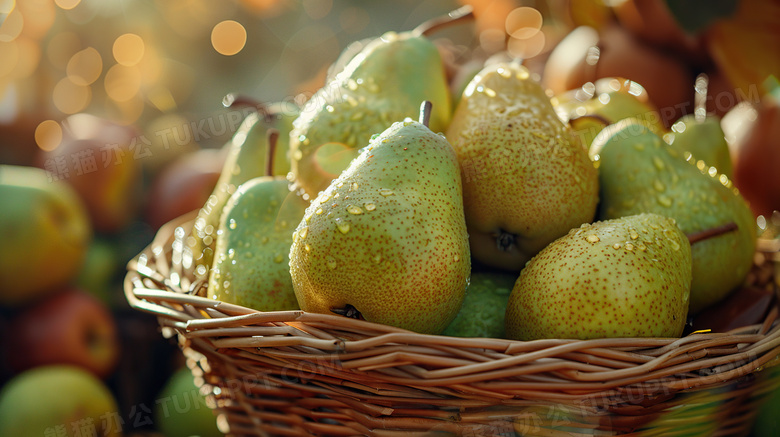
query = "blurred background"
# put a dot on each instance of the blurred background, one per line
(122, 100)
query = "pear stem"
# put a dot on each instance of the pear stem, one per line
(425, 112)
(696, 237)
(435, 24)
(700, 98)
(241, 101)
(272, 136)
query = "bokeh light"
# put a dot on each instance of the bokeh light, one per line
(523, 23)
(39, 16)
(67, 4)
(48, 135)
(29, 57)
(228, 37)
(122, 83)
(128, 49)
(70, 97)
(85, 66)
(61, 47)
(12, 26)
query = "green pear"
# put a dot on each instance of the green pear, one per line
(384, 82)
(627, 277)
(484, 307)
(386, 241)
(704, 139)
(57, 400)
(251, 258)
(609, 100)
(526, 178)
(46, 233)
(639, 172)
(247, 159)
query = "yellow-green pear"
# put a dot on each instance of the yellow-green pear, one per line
(247, 159)
(627, 277)
(640, 172)
(46, 233)
(526, 179)
(386, 241)
(383, 83)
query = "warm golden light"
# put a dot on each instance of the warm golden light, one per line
(61, 48)
(128, 49)
(527, 47)
(48, 135)
(85, 66)
(122, 83)
(29, 58)
(67, 4)
(9, 53)
(12, 26)
(523, 23)
(228, 37)
(6, 6)
(38, 16)
(69, 97)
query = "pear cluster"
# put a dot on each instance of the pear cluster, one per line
(493, 211)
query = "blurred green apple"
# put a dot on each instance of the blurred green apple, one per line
(45, 231)
(181, 409)
(58, 400)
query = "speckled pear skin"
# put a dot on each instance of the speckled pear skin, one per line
(246, 159)
(383, 83)
(641, 173)
(251, 257)
(628, 277)
(388, 236)
(523, 171)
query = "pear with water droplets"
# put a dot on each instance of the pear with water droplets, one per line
(639, 172)
(247, 159)
(704, 139)
(386, 241)
(627, 277)
(251, 257)
(526, 179)
(383, 83)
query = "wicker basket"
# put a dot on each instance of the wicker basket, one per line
(298, 373)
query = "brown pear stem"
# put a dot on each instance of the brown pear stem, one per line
(700, 87)
(438, 23)
(272, 137)
(425, 112)
(696, 237)
(242, 101)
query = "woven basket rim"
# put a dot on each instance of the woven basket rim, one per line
(197, 315)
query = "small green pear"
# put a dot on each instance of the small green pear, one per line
(526, 179)
(251, 258)
(384, 82)
(627, 277)
(386, 241)
(639, 173)
(484, 307)
(247, 159)
(609, 100)
(704, 139)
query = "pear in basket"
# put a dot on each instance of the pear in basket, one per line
(484, 307)
(627, 277)
(247, 158)
(253, 244)
(383, 83)
(639, 173)
(527, 180)
(386, 241)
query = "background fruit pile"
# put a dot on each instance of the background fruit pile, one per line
(112, 115)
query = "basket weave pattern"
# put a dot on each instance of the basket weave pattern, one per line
(298, 373)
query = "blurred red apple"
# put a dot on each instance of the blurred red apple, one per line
(756, 154)
(69, 327)
(99, 159)
(184, 185)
